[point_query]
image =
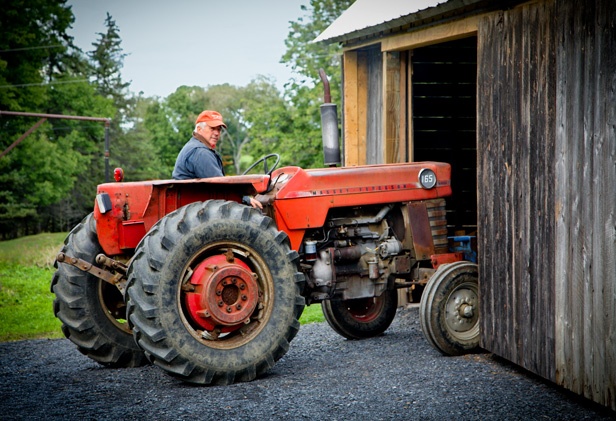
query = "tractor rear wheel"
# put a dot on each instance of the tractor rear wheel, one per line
(449, 308)
(363, 317)
(215, 293)
(92, 311)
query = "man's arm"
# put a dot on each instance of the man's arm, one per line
(251, 201)
(206, 163)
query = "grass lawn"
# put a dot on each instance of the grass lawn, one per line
(26, 268)
(312, 314)
(26, 310)
(26, 303)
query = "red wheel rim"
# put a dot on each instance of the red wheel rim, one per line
(225, 293)
(365, 310)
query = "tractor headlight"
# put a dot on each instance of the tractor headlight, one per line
(427, 178)
(104, 202)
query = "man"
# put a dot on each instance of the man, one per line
(199, 159)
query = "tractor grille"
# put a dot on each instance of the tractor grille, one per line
(438, 224)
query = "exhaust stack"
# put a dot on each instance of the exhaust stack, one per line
(329, 126)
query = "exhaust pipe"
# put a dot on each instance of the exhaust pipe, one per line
(329, 126)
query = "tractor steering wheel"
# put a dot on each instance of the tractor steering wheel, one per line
(264, 160)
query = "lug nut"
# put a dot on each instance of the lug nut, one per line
(229, 309)
(466, 310)
(239, 306)
(244, 298)
(220, 304)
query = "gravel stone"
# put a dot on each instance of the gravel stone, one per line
(395, 376)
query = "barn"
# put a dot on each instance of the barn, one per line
(520, 98)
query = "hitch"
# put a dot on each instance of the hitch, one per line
(117, 279)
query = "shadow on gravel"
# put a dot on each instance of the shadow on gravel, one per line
(395, 376)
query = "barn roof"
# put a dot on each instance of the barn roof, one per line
(370, 17)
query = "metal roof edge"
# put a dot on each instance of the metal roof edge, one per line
(443, 11)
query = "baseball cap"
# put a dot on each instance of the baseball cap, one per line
(212, 118)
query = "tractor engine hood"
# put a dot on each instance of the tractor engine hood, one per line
(303, 198)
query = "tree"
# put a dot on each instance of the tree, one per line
(131, 147)
(254, 123)
(48, 182)
(306, 93)
(170, 122)
(107, 61)
(305, 57)
(136, 153)
(33, 48)
(37, 64)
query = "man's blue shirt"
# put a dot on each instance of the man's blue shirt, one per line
(196, 160)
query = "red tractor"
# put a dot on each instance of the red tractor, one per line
(181, 274)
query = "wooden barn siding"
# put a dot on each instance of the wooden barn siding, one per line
(363, 107)
(515, 143)
(374, 114)
(354, 107)
(547, 191)
(586, 199)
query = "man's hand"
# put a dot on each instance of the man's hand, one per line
(255, 203)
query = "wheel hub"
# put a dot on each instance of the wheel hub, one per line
(365, 310)
(225, 295)
(461, 310)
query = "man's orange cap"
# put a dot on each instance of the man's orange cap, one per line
(212, 118)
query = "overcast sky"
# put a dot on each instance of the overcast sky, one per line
(192, 42)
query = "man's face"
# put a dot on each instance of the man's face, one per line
(210, 134)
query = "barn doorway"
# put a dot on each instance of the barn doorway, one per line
(444, 96)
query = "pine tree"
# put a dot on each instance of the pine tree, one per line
(107, 60)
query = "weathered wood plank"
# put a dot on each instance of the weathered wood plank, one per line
(362, 107)
(351, 121)
(442, 33)
(404, 114)
(375, 109)
(585, 218)
(392, 103)
(516, 162)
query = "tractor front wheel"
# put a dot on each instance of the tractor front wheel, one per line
(215, 293)
(363, 317)
(449, 308)
(92, 311)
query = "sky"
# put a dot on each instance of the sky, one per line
(192, 42)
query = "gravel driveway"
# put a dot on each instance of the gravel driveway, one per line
(322, 377)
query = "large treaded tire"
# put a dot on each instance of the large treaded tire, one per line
(361, 318)
(85, 304)
(449, 309)
(171, 253)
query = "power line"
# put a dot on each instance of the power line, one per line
(31, 48)
(44, 84)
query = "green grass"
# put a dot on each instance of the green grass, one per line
(34, 250)
(26, 310)
(312, 314)
(26, 269)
